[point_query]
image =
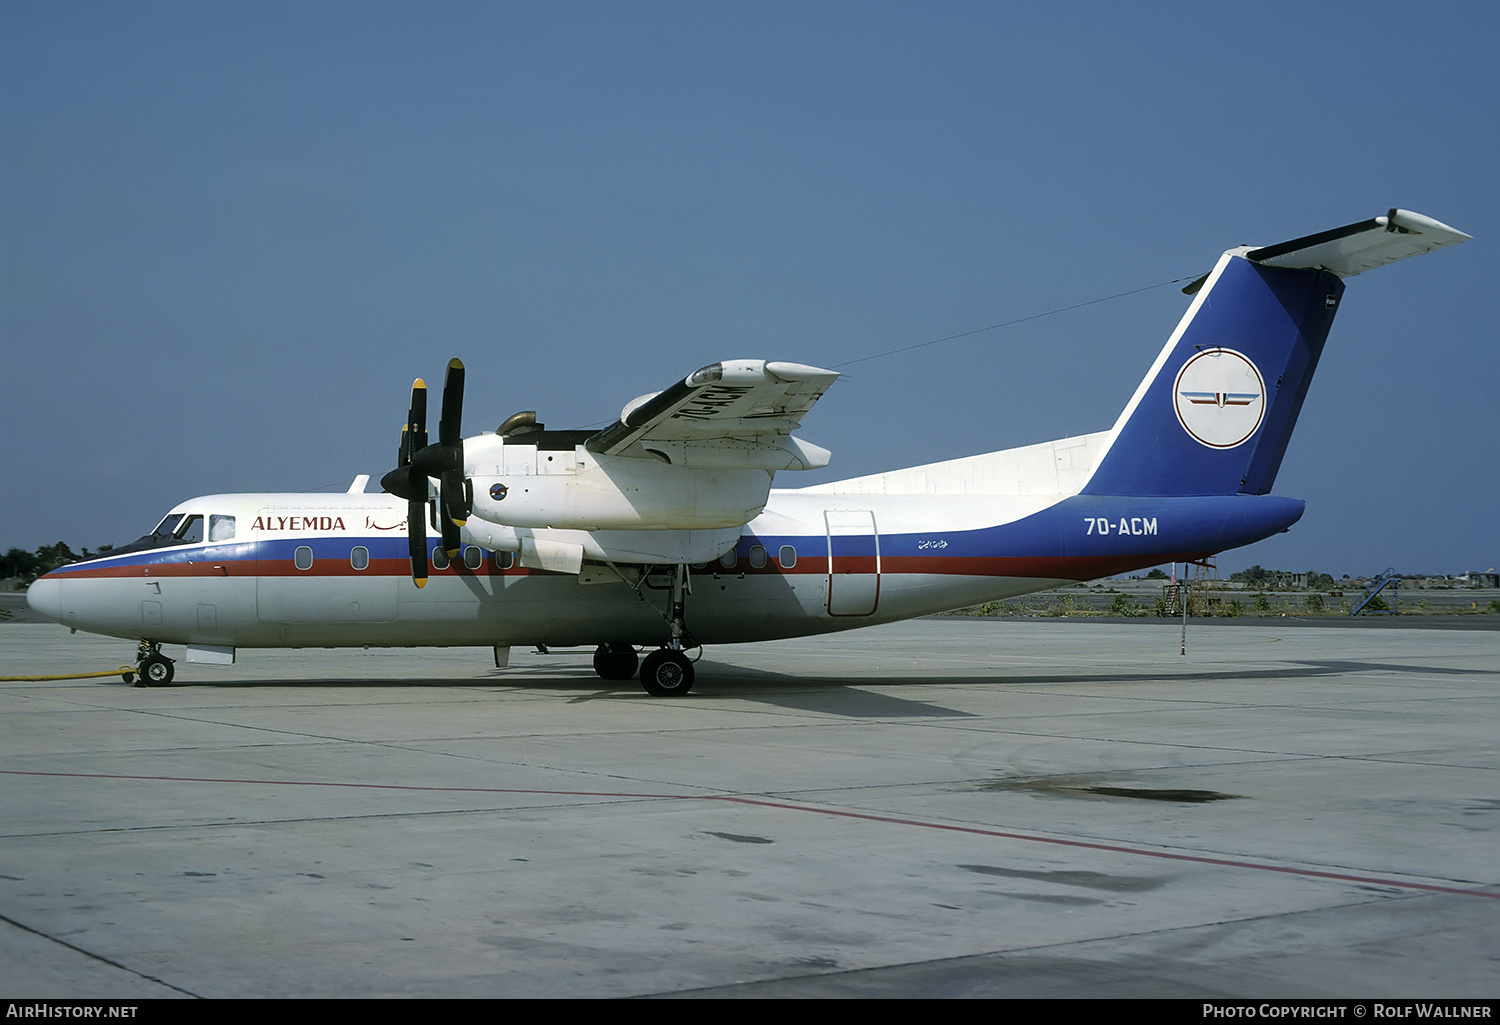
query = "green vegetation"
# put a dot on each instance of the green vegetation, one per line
(1263, 579)
(1279, 597)
(24, 567)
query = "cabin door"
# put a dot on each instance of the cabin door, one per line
(853, 562)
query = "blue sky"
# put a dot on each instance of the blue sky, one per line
(234, 232)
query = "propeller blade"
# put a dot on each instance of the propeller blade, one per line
(418, 462)
(451, 540)
(455, 490)
(416, 541)
(416, 417)
(450, 427)
(414, 431)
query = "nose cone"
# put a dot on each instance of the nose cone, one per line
(45, 597)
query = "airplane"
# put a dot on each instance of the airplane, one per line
(663, 531)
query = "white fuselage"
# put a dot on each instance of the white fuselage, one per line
(289, 570)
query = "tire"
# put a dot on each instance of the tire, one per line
(615, 661)
(667, 674)
(156, 671)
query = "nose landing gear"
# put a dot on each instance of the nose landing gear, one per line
(154, 668)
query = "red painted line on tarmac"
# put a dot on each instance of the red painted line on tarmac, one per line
(1116, 849)
(834, 812)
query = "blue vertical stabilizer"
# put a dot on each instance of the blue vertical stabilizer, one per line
(1215, 413)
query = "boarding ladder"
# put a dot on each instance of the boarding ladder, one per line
(1379, 582)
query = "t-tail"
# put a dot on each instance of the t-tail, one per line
(1216, 410)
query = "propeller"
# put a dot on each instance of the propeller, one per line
(417, 462)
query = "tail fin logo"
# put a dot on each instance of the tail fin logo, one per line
(1220, 398)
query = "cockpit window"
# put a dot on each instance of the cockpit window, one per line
(177, 529)
(221, 528)
(191, 531)
(165, 528)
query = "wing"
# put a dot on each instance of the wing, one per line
(736, 413)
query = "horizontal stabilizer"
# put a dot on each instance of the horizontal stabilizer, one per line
(1356, 248)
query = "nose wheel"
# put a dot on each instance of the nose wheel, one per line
(152, 667)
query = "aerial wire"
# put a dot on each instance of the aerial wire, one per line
(996, 327)
(1012, 323)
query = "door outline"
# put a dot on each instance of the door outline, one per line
(853, 562)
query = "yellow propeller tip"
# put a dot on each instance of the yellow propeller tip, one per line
(420, 581)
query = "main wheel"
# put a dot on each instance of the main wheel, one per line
(156, 671)
(666, 673)
(615, 661)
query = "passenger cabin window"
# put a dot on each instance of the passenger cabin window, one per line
(757, 557)
(788, 557)
(439, 558)
(473, 557)
(302, 558)
(504, 560)
(359, 557)
(728, 559)
(221, 528)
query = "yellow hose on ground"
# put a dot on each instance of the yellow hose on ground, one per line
(67, 676)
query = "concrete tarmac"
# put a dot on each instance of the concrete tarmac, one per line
(948, 807)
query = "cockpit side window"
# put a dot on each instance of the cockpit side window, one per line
(191, 531)
(221, 528)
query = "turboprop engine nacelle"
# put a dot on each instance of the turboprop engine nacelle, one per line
(523, 486)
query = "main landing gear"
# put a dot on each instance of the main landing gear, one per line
(667, 672)
(616, 661)
(154, 668)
